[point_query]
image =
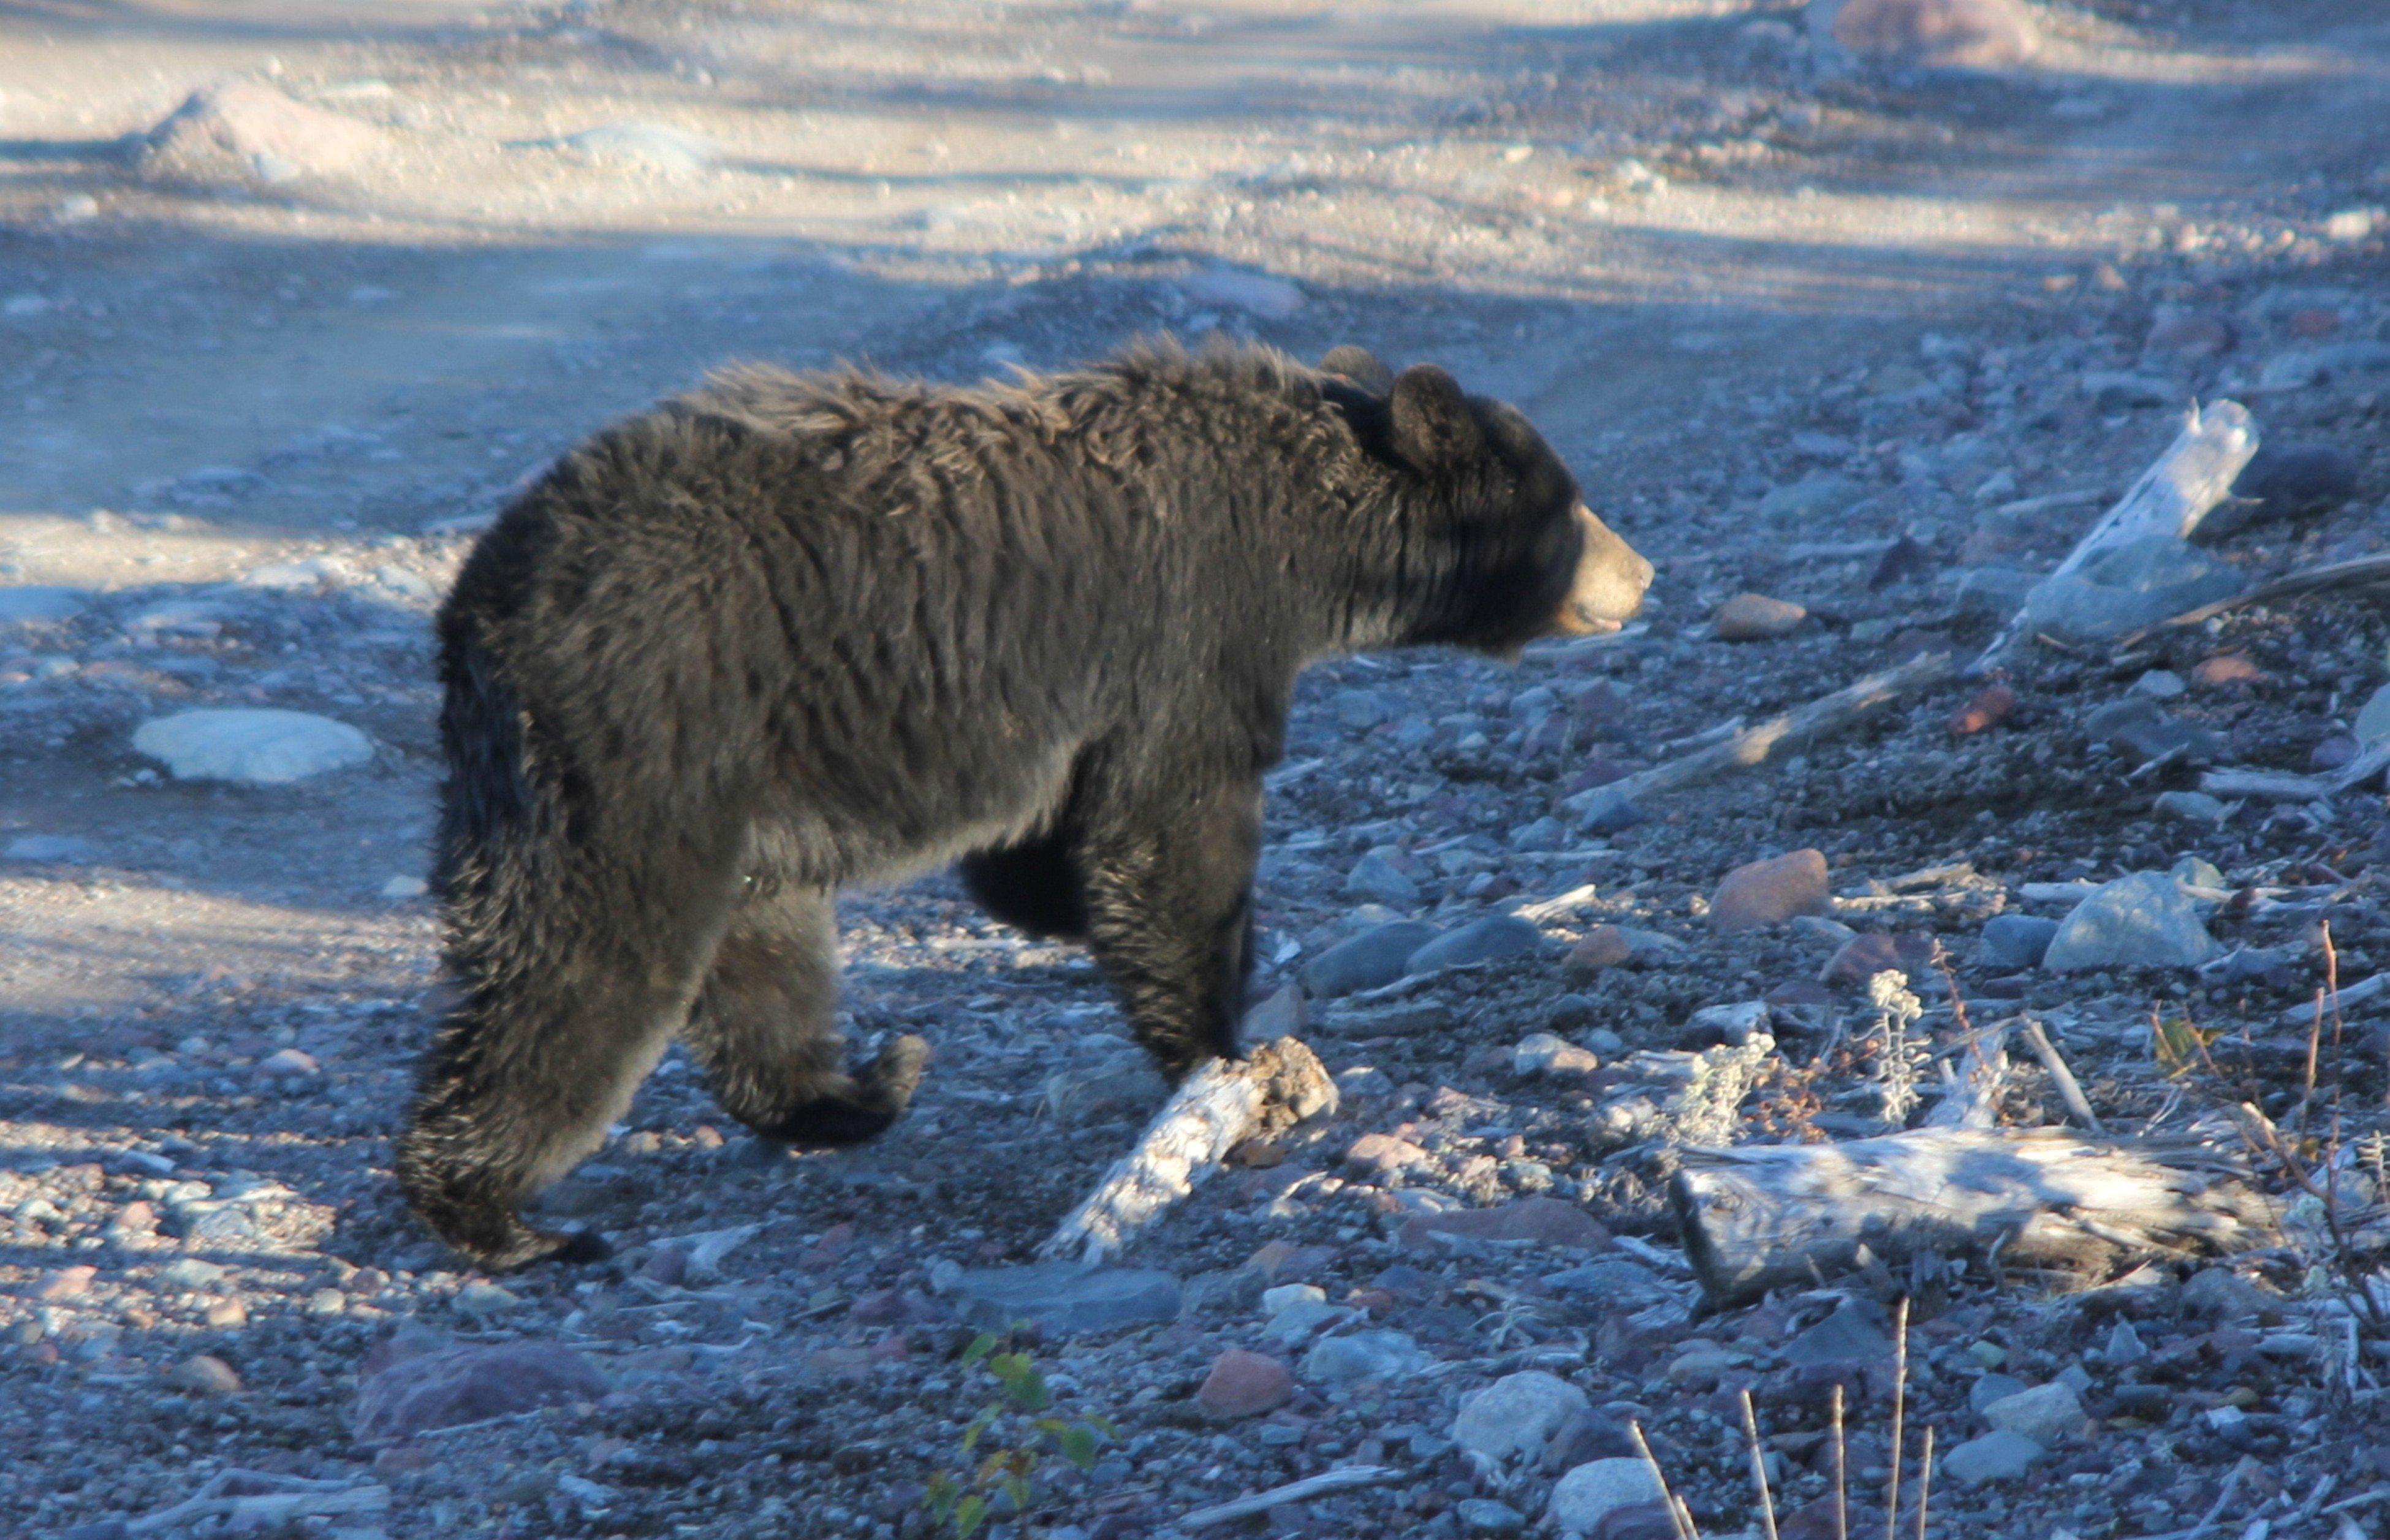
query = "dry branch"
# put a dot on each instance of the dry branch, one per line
(1793, 729)
(1344, 1478)
(2194, 474)
(2364, 571)
(1227, 1101)
(1762, 1216)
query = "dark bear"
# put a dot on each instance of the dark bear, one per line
(786, 634)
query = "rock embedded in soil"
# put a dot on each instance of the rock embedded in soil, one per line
(1757, 618)
(1583, 1498)
(1516, 1415)
(2191, 807)
(1601, 946)
(1363, 1355)
(650, 147)
(1377, 878)
(1999, 1455)
(204, 1374)
(1243, 1383)
(2141, 921)
(2047, 1414)
(451, 1386)
(246, 132)
(1767, 892)
(1376, 956)
(1064, 1298)
(1544, 1053)
(1493, 938)
(251, 746)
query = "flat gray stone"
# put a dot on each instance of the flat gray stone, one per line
(654, 147)
(1994, 1386)
(1360, 1355)
(254, 746)
(1594, 1490)
(1997, 1457)
(1064, 1298)
(1378, 956)
(1488, 940)
(2016, 941)
(1376, 879)
(2049, 1414)
(1814, 497)
(1514, 1416)
(2143, 920)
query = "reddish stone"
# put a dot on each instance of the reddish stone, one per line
(1768, 893)
(65, 1283)
(204, 1373)
(1862, 957)
(2227, 668)
(1540, 1221)
(1603, 946)
(1382, 1154)
(1245, 1384)
(1757, 618)
(1988, 709)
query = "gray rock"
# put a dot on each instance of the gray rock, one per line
(2194, 871)
(1854, 1333)
(1361, 1355)
(1358, 711)
(1997, 1457)
(2125, 1346)
(39, 604)
(2136, 584)
(2016, 941)
(2191, 807)
(2143, 920)
(1489, 940)
(58, 849)
(1375, 878)
(1486, 1516)
(1594, 1490)
(1376, 956)
(1994, 591)
(2049, 1414)
(1545, 833)
(2115, 390)
(2160, 683)
(1127, 1084)
(1513, 1417)
(1603, 810)
(1548, 1053)
(1064, 1298)
(254, 746)
(1994, 1386)
(2373, 718)
(453, 1386)
(1813, 498)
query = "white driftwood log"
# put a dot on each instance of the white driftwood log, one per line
(1278, 1085)
(1757, 1217)
(1748, 746)
(2194, 474)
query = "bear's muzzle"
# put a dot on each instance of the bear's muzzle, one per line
(1610, 579)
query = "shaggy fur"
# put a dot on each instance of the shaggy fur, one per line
(787, 634)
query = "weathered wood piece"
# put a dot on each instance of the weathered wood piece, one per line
(1277, 1086)
(2364, 571)
(2187, 481)
(1757, 1217)
(1793, 729)
(2070, 1090)
(1344, 1478)
(2284, 786)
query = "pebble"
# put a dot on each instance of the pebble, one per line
(205, 1374)
(1376, 956)
(1544, 1053)
(64, 1283)
(2187, 334)
(1994, 591)
(1065, 1299)
(1493, 938)
(293, 1063)
(2348, 227)
(2141, 921)
(1488, 1516)
(1989, 1388)
(2049, 1414)
(1582, 1499)
(1990, 706)
(2137, 583)
(1286, 1296)
(2160, 684)
(1376, 878)
(1939, 34)
(1812, 499)
(1359, 709)
(1363, 1355)
(1769, 891)
(1997, 1457)
(402, 888)
(1243, 1383)
(1383, 1154)
(1601, 946)
(2118, 389)
(1129, 1085)
(449, 1386)
(2125, 1346)
(2226, 668)
(1516, 1415)
(251, 746)
(1755, 618)
(2015, 941)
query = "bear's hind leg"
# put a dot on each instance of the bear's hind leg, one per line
(765, 1030)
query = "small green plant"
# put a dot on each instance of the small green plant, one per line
(1022, 1433)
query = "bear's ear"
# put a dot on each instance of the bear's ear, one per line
(1434, 427)
(1359, 365)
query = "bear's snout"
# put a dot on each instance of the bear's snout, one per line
(1610, 583)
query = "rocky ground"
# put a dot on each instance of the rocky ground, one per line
(1874, 341)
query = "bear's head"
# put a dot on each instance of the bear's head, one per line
(1505, 550)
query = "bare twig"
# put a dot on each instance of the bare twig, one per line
(1842, 1457)
(1924, 1482)
(2070, 1091)
(1679, 1517)
(1346, 1478)
(1758, 1467)
(1899, 1411)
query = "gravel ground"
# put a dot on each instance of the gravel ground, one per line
(1877, 344)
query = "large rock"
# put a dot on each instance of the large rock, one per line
(1376, 956)
(253, 746)
(2049, 1414)
(245, 131)
(1997, 1457)
(1064, 1298)
(1939, 34)
(452, 1386)
(1489, 940)
(1514, 1416)
(1243, 1383)
(1767, 892)
(2143, 920)
(1592, 1493)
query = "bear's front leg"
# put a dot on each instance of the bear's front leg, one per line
(1169, 878)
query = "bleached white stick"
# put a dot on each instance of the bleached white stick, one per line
(1280, 1084)
(2194, 474)
(1342, 1479)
